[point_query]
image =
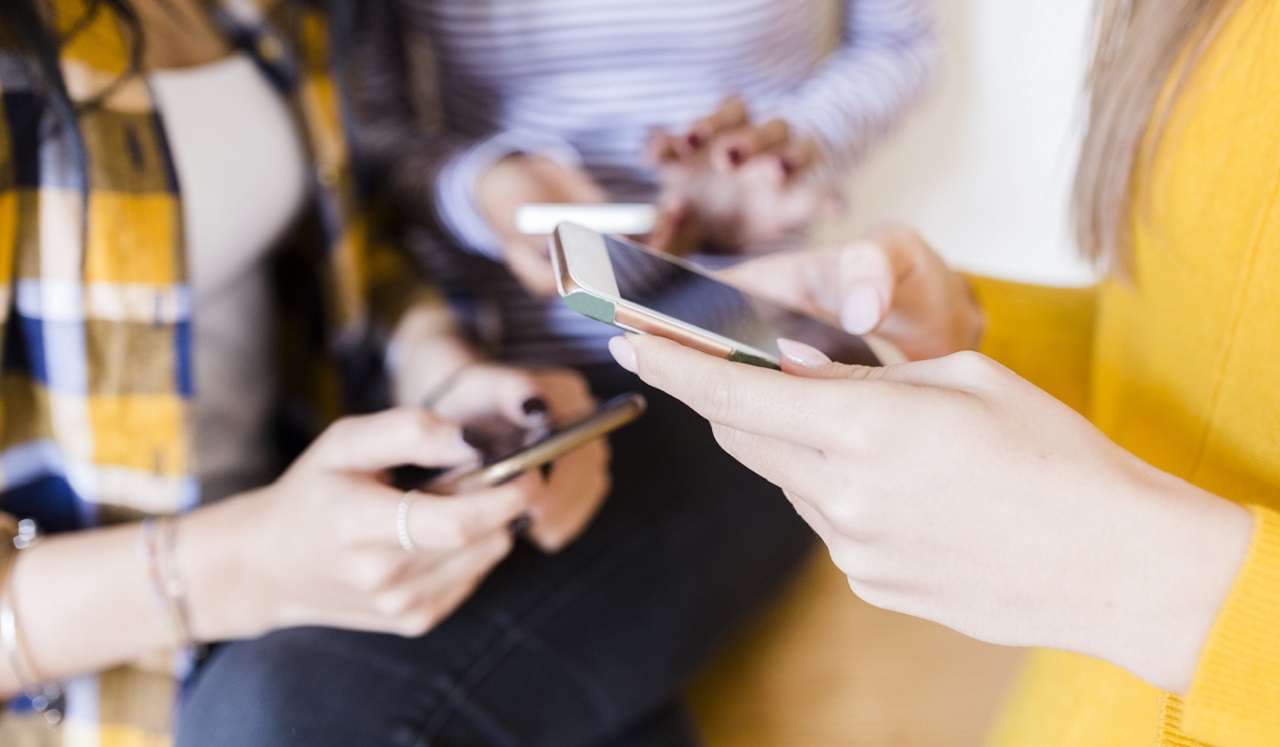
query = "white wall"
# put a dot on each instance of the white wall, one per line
(983, 167)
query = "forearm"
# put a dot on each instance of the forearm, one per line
(1161, 583)
(84, 601)
(431, 172)
(425, 353)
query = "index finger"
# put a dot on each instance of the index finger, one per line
(372, 443)
(743, 397)
(449, 522)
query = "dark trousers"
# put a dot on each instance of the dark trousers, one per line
(591, 646)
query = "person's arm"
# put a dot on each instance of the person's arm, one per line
(953, 490)
(431, 171)
(885, 59)
(320, 546)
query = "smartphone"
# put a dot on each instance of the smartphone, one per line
(619, 218)
(610, 416)
(632, 287)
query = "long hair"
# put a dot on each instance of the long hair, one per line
(1146, 48)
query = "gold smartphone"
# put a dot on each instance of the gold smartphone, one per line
(610, 416)
(637, 289)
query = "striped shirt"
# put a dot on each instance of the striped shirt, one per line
(584, 81)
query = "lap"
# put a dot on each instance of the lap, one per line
(575, 648)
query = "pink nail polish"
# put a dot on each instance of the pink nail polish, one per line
(802, 354)
(624, 353)
(861, 310)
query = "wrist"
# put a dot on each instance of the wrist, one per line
(1186, 550)
(425, 353)
(216, 554)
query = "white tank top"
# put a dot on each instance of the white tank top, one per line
(241, 170)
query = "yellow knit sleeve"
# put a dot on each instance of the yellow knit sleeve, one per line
(1045, 334)
(1235, 696)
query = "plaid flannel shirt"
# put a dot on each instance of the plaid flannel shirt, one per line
(96, 417)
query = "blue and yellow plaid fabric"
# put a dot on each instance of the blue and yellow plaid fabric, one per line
(95, 309)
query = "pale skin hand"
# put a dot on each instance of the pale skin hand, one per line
(562, 505)
(431, 356)
(955, 491)
(890, 282)
(317, 547)
(522, 179)
(744, 185)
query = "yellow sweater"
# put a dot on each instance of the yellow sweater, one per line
(1182, 368)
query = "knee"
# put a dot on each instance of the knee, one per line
(268, 691)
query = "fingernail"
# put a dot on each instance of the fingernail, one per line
(862, 310)
(535, 406)
(694, 138)
(473, 438)
(466, 450)
(624, 353)
(519, 525)
(736, 156)
(802, 354)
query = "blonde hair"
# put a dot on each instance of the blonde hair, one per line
(1145, 47)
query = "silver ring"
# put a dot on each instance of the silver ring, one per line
(402, 521)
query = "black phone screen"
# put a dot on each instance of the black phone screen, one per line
(673, 289)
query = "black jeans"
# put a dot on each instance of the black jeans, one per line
(591, 646)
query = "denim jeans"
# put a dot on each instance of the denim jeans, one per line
(591, 646)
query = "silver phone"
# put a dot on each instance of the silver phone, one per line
(635, 288)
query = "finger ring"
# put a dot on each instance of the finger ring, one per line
(402, 521)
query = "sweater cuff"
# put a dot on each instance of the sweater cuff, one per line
(455, 188)
(1235, 696)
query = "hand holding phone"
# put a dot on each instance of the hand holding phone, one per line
(610, 416)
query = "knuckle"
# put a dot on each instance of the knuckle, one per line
(845, 557)
(419, 422)
(868, 592)
(718, 399)
(972, 366)
(499, 548)
(457, 532)
(341, 519)
(419, 621)
(369, 575)
(337, 433)
(393, 603)
(855, 438)
(727, 438)
(348, 534)
(849, 517)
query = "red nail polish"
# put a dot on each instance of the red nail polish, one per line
(694, 139)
